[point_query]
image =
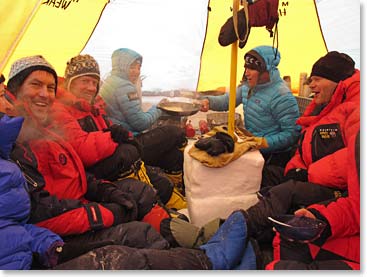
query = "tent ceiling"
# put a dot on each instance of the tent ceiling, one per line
(180, 51)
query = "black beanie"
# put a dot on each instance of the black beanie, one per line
(334, 66)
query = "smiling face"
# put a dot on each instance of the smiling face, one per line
(322, 88)
(85, 87)
(38, 92)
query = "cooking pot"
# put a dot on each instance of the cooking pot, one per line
(179, 108)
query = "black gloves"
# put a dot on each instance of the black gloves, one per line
(119, 134)
(217, 144)
(107, 192)
(212, 146)
(227, 141)
(297, 174)
(121, 161)
(111, 193)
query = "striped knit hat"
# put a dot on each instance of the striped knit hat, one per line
(78, 66)
(23, 67)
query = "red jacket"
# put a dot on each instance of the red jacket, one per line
(324, 137)
(340, 241)
(59, 184)
(343, 215)
(82, 124)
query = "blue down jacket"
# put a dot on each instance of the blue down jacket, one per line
(271, 110)
(123, 102)
(18, 240)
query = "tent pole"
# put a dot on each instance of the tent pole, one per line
(233, 72)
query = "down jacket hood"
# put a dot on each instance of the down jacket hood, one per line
(271, 57)
(122, 59)
(9, 131)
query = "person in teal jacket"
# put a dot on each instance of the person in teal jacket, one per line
(270, 110)
(121, 91)
(121, 94)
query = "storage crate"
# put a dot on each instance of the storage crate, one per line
(303, 102)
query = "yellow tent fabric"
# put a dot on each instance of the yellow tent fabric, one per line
(59, 29)
(13, 24)
(300, 43)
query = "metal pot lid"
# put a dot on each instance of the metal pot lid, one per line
(179, 108)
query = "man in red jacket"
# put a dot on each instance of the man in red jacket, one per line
(87, 212)
(338, 246)
(107, 150)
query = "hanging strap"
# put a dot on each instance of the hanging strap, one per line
(275, 40)
(235, 21)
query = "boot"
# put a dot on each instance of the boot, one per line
(180, 233)
(228, 245)
(168, 193)
(175, 214)
(249, 258)
(177, 179)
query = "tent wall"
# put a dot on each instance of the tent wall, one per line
(300, 43)
(58, 31)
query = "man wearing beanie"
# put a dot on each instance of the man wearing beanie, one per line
(269, 107)
(86, 212)
(326, 158)
(107, 150)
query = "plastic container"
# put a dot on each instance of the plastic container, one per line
(298, 228)
(221, 118)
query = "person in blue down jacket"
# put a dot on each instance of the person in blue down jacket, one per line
(270, 110)
(121, 93)
(22, 245)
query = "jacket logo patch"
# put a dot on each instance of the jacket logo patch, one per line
(62, 159)
(328, 133)
(133, 96)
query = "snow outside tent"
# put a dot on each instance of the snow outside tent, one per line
(178, 39)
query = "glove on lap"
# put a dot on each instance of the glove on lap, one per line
(110, 193)
(119, 134)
